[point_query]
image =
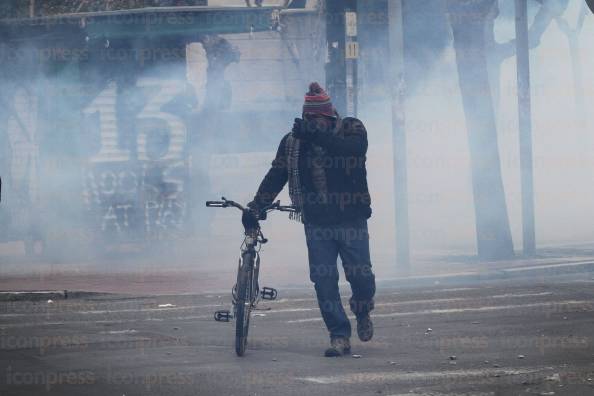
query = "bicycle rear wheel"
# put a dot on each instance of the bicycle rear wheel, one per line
(243, 305)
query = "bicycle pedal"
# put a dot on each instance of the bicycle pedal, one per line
(222, 316)
(268, 293)
(234, 293)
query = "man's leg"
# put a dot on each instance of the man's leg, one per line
(354, 254)
(322, 250)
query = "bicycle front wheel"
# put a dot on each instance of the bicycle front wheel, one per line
(243, 305)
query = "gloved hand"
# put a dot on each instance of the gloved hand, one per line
(250, 216)
(303, 129)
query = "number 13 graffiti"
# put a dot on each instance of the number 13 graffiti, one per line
(153, 123)
(148, 195)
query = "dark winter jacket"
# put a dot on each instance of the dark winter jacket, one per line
(346, 176)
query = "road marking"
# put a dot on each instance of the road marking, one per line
(587, 303)
(454, 289)
(137, 320)
(471, 393)
(403, 376)
(522, 295)
(284, 300)
(129, 331)
(432, 393)
(417, 277)
(426, 301)
(287, 310)
(292, 310)
(107, 311)
(547, 266)
(64, 309)
(438, 300)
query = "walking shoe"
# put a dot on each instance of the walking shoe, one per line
(364, 327)
(339, 346)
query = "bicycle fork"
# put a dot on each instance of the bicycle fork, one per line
(267, 293)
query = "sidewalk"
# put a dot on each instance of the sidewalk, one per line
(147, 275)
(557, 260)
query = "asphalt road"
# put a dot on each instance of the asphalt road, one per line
(485, 339)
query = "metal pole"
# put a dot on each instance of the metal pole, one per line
(525, 126)
(32, 9)
(396, 42)
(352, 53)
(336, 64)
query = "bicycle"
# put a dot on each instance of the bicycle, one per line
(246, 292)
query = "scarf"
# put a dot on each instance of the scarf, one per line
(293, 149)
(314, 175)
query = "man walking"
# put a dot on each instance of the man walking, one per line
(323, 161)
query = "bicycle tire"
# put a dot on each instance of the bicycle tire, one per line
(243, 304)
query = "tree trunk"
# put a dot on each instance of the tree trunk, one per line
(468, 19)
(573, 39)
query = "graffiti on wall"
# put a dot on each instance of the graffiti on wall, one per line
(128, 201)
(139, 191)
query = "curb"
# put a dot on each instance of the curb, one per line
(551, 269)
(40, 295)
(519, 273)
(404, 282)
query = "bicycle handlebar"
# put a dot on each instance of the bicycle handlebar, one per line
(225, 203)
(281, 208)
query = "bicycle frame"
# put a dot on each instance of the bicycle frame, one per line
(250, 259)
(246, 292)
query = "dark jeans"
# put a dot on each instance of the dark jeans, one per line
(350, 240)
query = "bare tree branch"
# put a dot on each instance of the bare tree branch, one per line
(548, 11)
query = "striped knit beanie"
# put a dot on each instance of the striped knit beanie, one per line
(317, 101)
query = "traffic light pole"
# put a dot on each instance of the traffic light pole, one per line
(525, 126)
(335, 66)
(398, 94)
(351, 56)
